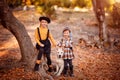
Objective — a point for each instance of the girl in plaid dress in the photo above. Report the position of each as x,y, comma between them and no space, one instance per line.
66,44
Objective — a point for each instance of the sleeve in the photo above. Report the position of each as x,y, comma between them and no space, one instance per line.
37,37
71,43
52,39
59,43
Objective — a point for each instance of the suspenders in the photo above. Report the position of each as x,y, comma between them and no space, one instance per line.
40,36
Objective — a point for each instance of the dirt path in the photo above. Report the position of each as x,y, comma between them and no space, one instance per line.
89,63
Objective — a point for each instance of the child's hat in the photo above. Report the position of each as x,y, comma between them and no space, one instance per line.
44,18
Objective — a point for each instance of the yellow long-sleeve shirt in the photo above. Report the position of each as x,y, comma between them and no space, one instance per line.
43,35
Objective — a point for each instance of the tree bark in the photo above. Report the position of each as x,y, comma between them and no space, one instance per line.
18,30
98,7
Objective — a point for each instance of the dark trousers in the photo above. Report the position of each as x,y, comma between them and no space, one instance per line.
46,50
68,65
42,52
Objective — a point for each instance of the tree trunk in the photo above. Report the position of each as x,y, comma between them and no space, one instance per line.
18,30
98,7
8,20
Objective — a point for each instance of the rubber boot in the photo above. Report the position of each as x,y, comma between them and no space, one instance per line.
65,71
36,67
50,68
71,71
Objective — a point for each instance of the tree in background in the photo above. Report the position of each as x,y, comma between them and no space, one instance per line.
99,9
116,15
14,3
100,15
46,7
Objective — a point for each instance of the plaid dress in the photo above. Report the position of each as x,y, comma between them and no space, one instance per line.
67,48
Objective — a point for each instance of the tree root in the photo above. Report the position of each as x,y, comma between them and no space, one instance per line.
42,73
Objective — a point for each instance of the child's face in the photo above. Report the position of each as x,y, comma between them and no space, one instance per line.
66,33
43,23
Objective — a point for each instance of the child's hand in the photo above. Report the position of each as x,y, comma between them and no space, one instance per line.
42,45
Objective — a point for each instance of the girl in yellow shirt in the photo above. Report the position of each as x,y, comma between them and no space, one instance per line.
43,38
